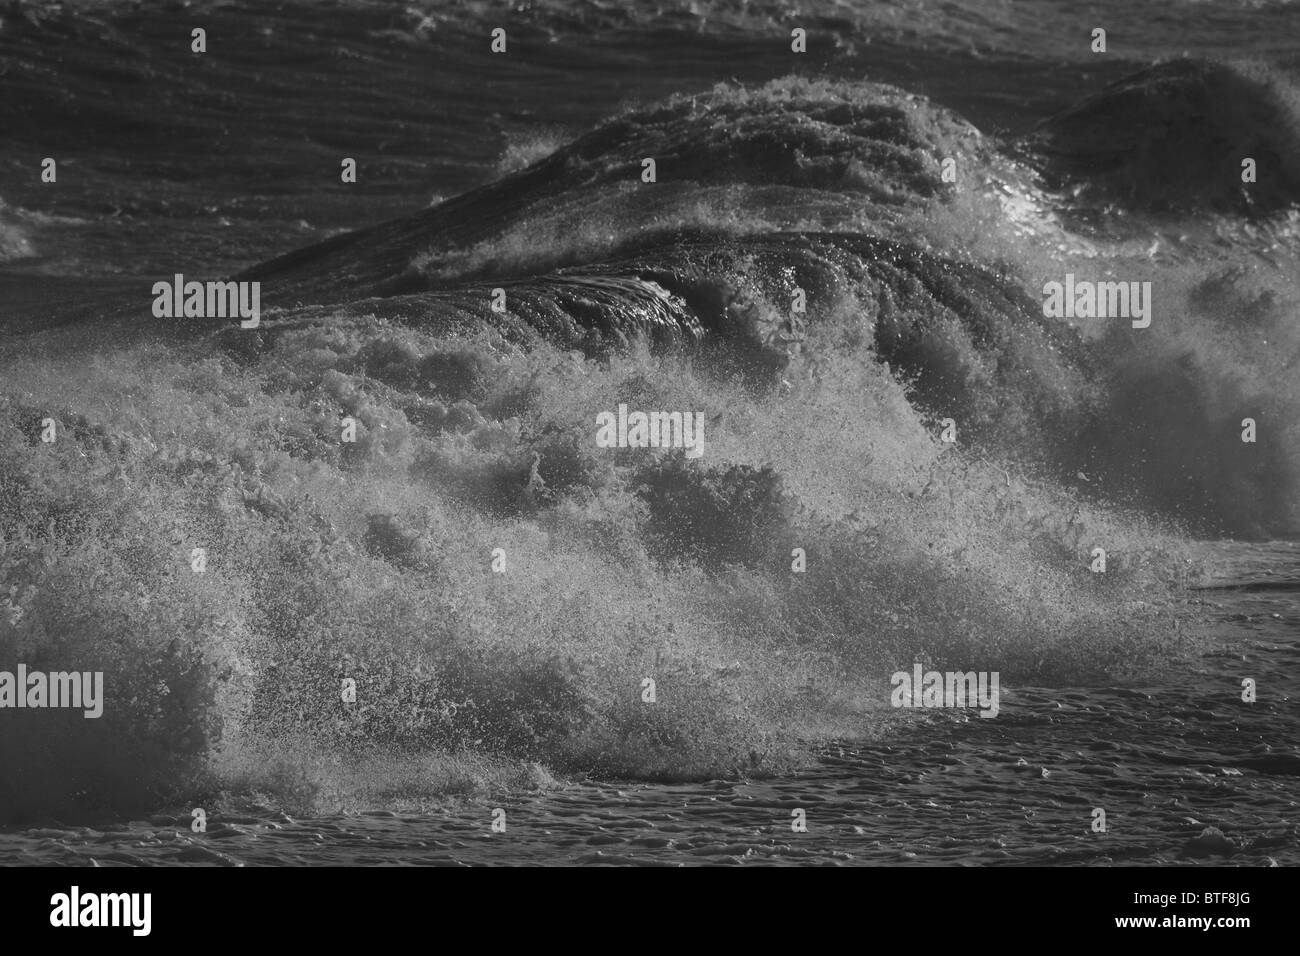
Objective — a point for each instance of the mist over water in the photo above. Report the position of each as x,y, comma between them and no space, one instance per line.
376,560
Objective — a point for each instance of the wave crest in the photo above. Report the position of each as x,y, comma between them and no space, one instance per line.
1172,139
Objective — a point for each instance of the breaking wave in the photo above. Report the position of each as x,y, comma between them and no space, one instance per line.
373,560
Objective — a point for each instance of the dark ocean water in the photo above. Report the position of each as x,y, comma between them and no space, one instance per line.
210,163
1165,757
521,171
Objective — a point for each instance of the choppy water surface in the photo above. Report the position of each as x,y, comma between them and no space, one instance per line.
777,172
1166,757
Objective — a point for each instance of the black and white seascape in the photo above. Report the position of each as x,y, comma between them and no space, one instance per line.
592,432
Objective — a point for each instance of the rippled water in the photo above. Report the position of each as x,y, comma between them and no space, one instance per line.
1165,757
172,163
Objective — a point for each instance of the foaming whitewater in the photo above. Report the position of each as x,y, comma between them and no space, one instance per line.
373,563
856,215
14,243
